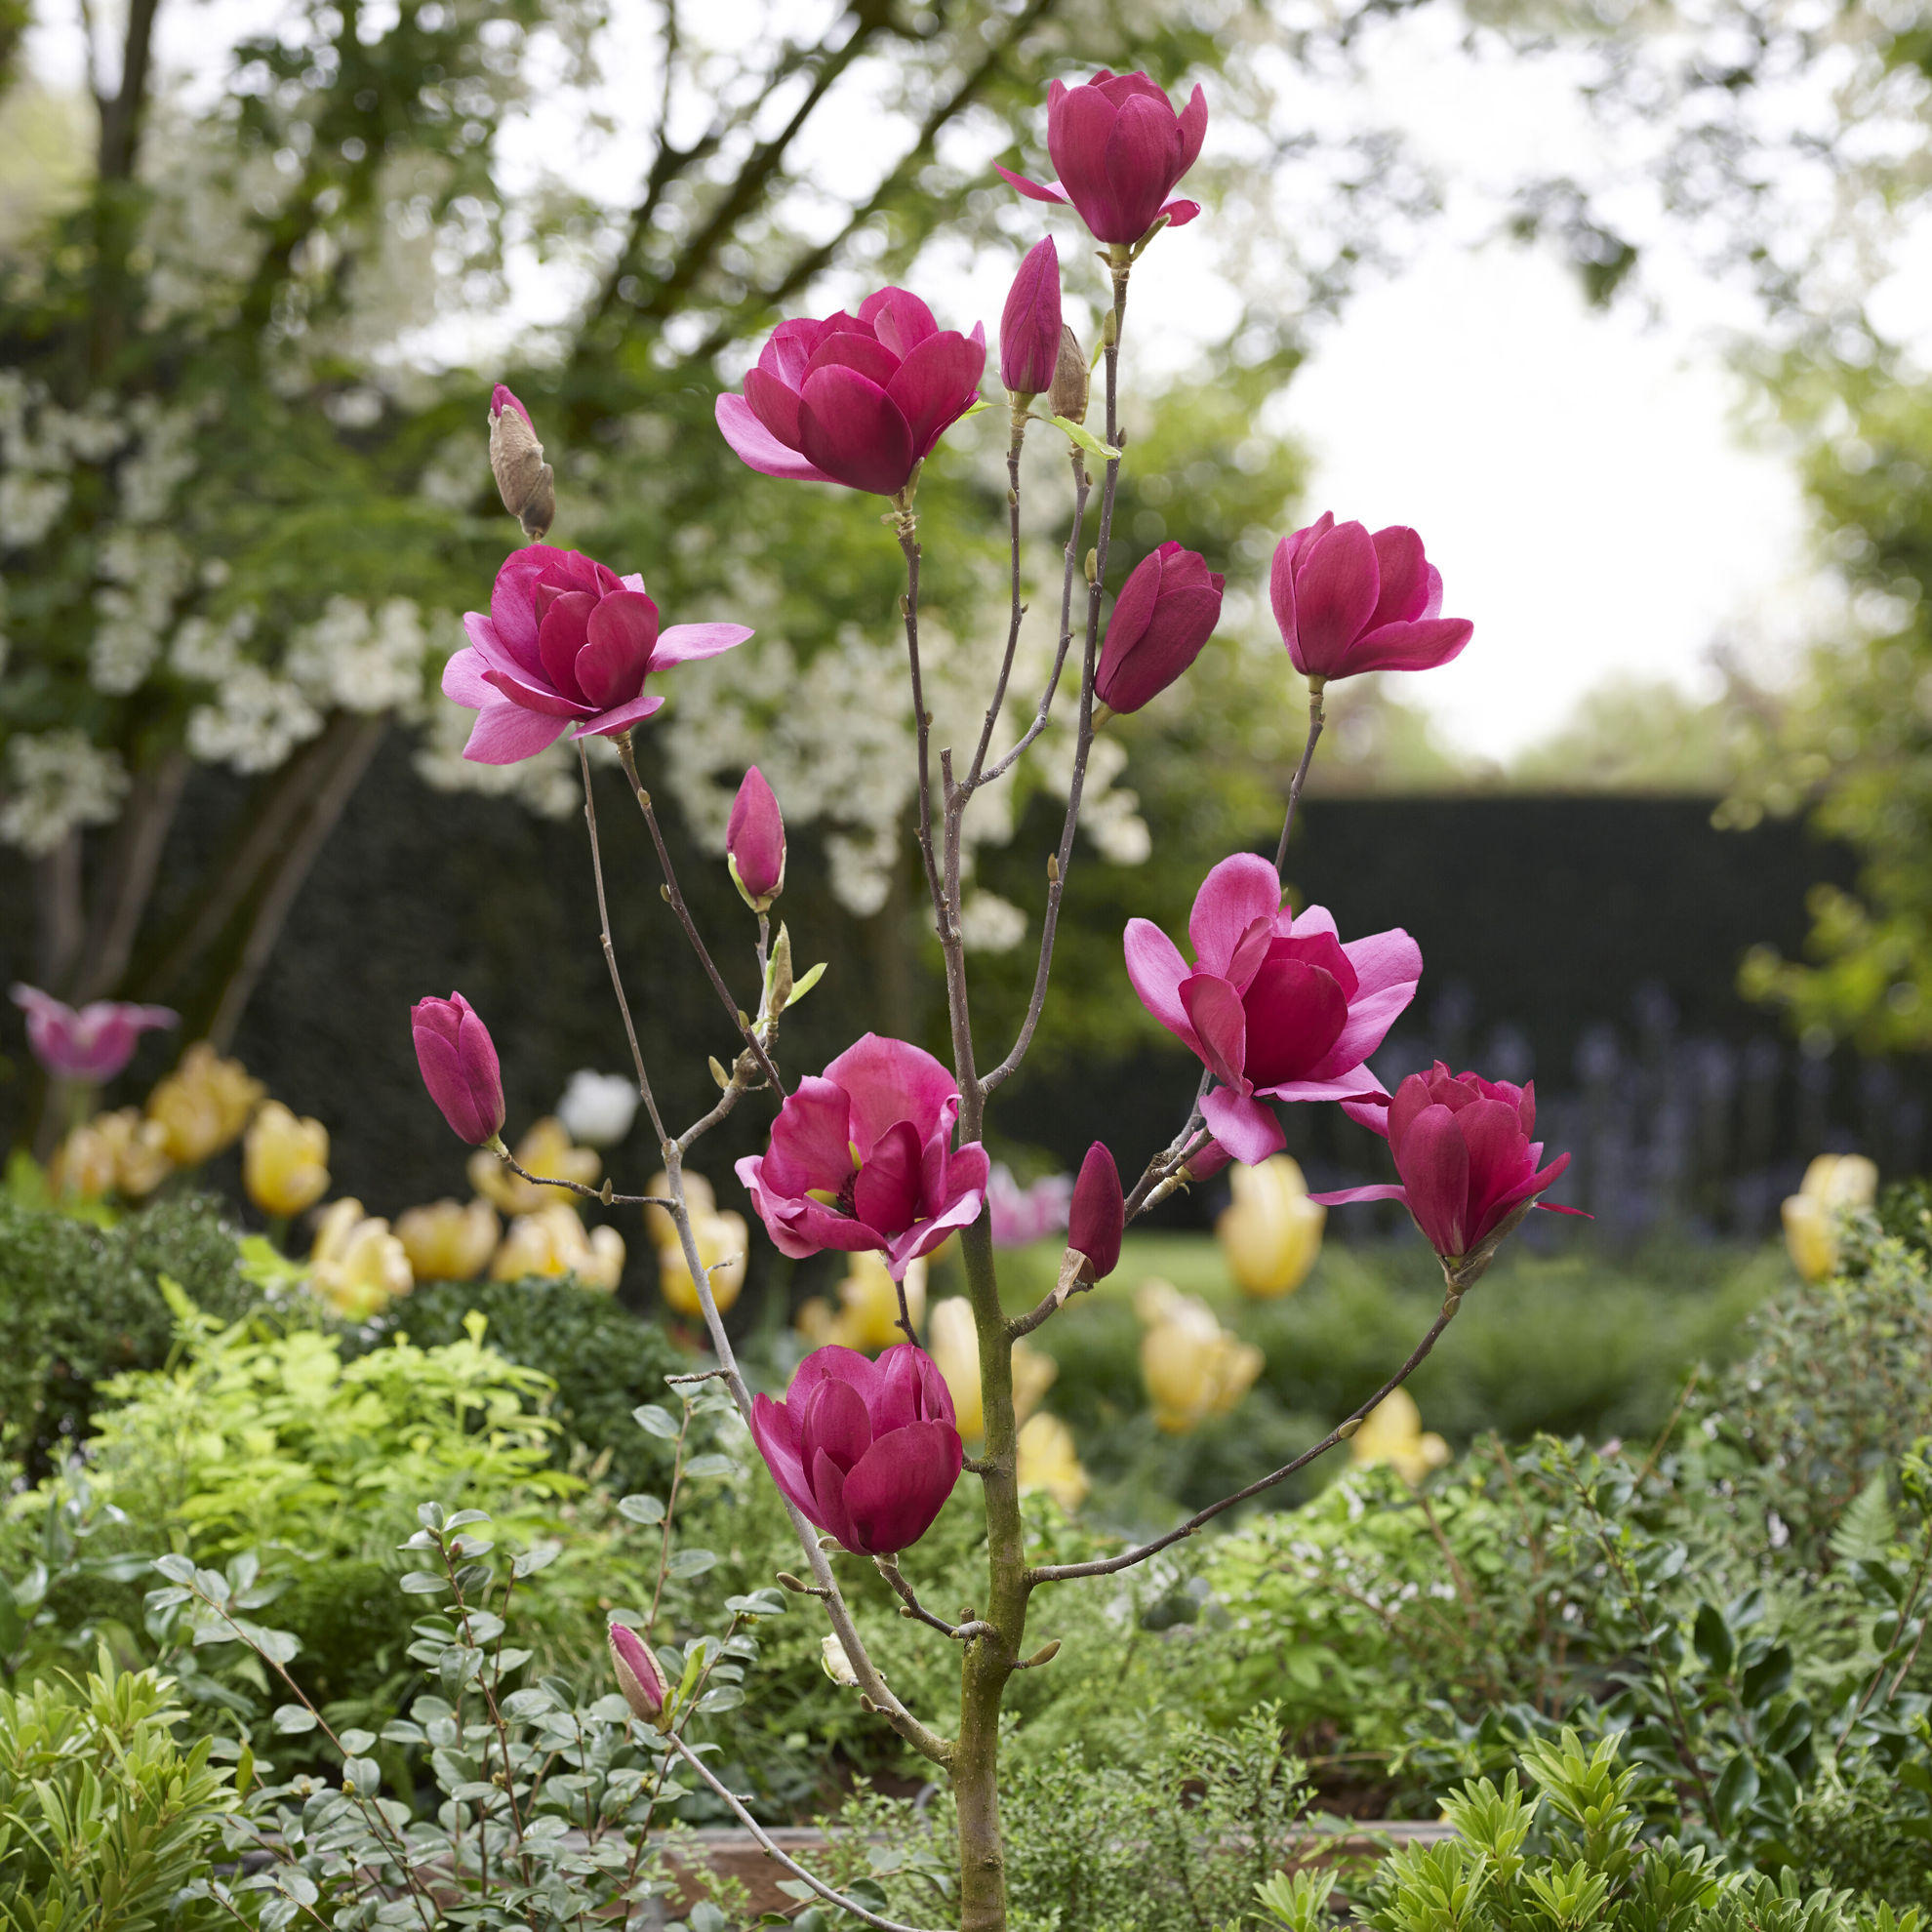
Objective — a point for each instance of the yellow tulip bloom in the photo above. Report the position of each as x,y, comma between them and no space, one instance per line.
356,1265
203,1105
1193,1367
449,1240
720,1237
1392,1432
955,1347
1831,1183
546,1150
1049,1460
1271,1234
285,1161
552,1241
122,1153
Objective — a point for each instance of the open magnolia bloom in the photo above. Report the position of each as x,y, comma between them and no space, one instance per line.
862,1158
867,1449
1275,1005
567,642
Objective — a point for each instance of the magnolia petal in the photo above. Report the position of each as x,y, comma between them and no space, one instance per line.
852,431
936,383
811,1139
1246,1129
1433,1160
504,733
759,448
1220,1023
896,1489
886,1194
1238,891
688,643
1382,1191
1033,190
608,724
1410,647
887,1080
464,682
1156,969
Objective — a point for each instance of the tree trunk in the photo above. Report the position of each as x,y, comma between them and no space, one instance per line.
138,841
990,1662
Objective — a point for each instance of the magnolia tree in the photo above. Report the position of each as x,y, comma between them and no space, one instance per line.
882,1151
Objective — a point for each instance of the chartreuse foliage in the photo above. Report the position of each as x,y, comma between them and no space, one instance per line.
105,1814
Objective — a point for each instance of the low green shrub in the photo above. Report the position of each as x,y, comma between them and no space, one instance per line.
81,1303
106,1816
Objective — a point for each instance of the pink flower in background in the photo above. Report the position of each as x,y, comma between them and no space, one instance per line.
1020,1216
1462,1147
755,842
1348,602
458,1060
868,1450
1166,611
1120,149
1029,325
1100,1213
92,1044
863,1158
1275,1005
855,399
567,642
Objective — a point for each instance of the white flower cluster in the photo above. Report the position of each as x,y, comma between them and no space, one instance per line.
257,720
145,570
356,660
56,780
39,446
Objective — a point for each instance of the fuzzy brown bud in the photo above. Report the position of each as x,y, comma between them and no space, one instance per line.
1068,395
526,483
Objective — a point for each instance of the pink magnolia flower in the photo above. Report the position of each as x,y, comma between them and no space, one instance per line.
1029,326
1462,1147
863,1158
1348,602
855,399
1100,1213
93,1044
458,1060
1120,149
1020,1216
1276,1006
755,842
868,1450
567,641
1166,611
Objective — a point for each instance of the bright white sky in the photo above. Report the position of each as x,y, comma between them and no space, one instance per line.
1579,478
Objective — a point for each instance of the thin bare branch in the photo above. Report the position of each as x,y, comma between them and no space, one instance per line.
1301,777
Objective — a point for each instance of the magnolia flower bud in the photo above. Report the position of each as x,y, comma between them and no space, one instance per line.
639,1674
1030,328
457,1061
1098,1217
833,1661
755,842
526,483
1068,395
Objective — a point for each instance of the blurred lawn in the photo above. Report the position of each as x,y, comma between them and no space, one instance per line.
1575,1341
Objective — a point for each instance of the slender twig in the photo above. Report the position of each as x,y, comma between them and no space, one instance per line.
1005,763
676,898
1084,741
1301,777
1065,1572
772,1851
1019,610
888,1568
603,1193
1669,1428
908,530
644,1092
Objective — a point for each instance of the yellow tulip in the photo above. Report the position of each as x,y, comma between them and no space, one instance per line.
1048,1461
867,1314
1831,1183
122,1153
285,1161
720,1237
1392,1432
955,1347
448,1241
699,1202
1191,1366
546,1150
1270,1236
203,1105
356,1265
552,1241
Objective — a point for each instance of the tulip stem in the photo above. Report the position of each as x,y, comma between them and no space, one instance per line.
1065,1572
1301,777
628,758
772,1851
